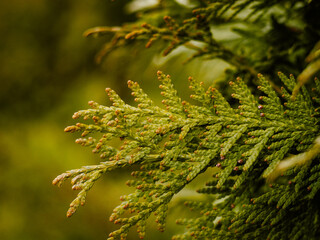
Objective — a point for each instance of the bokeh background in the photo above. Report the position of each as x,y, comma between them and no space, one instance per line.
47,72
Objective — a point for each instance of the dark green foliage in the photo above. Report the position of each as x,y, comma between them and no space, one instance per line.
252,36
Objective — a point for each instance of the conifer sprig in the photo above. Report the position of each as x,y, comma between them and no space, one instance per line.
173,145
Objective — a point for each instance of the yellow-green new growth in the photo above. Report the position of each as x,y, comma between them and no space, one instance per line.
173,145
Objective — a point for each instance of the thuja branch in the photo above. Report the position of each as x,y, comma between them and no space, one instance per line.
173,145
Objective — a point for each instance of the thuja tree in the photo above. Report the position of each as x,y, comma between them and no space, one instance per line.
260,145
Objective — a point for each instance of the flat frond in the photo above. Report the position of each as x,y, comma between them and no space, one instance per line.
173,145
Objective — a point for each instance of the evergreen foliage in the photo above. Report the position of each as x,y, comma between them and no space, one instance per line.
242,141
173,145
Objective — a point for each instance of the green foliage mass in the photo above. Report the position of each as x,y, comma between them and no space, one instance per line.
242,141
252,36
174,145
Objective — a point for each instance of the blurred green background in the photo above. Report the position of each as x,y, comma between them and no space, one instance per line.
47,72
